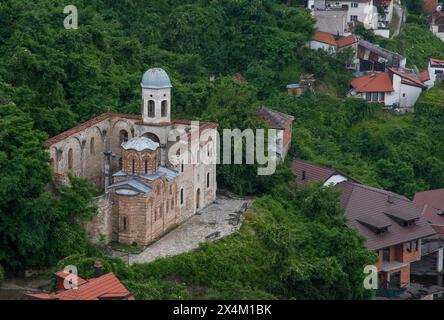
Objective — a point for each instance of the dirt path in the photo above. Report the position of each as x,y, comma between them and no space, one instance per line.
216,220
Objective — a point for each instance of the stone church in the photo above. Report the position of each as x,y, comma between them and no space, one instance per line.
146,191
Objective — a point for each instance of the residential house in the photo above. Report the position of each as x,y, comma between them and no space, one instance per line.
332,20
392,225
398,89
362,11
283,123
102,287
385,14
435,72
432,205
309,172
335,43
375,58
436,24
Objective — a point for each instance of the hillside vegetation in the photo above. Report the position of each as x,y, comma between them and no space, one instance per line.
294,243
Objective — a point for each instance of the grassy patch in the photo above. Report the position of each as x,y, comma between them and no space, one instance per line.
126,247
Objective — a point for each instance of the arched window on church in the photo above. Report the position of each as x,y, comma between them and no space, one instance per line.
120,164
70,160
134,166
92,148
123,136
164,108
124,224
208,180
181,196
146,166
151,111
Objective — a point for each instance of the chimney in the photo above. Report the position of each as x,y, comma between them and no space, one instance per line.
98,271
390,199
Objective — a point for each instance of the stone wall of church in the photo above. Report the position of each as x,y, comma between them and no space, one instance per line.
100,228
81,149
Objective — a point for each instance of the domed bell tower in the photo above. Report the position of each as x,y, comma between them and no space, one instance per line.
156,96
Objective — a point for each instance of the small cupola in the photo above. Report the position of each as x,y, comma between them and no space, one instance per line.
140,156
156,96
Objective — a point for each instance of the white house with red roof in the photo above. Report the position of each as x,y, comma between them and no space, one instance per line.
395,88
435,71
334,43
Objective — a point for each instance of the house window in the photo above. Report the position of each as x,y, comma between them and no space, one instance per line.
70,160
375,96
382,96
354,4
181,196
164,108
151,112
92,150
368,96
386,254
415,245
353,18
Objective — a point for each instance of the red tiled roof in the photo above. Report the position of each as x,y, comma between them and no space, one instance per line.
325,37
431,201
413,81
362,204
346,41
429,6
66,134
378,82
62,136
64,274
437,63
240,78
424,76
106,286
313,172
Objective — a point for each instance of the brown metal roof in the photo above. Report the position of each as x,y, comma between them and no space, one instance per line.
361,203
313,172
431,201
277,120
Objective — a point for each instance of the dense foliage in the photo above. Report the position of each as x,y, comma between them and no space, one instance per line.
36,227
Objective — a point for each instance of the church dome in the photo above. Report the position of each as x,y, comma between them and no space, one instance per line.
155,78
140,144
